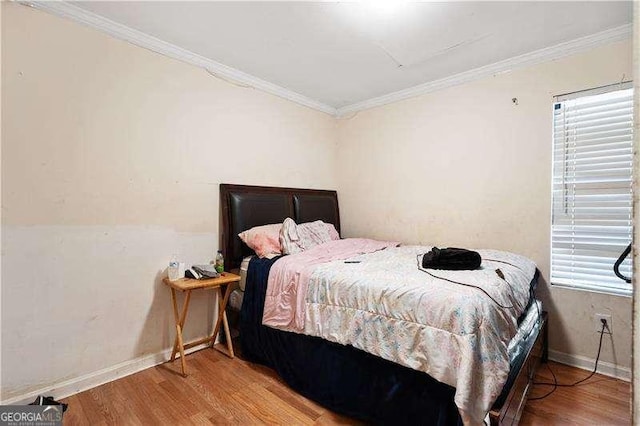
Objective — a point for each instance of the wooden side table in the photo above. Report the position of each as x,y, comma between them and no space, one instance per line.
186,285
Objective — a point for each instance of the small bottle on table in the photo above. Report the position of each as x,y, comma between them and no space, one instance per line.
219,263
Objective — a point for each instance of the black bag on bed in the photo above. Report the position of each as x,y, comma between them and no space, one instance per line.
455,259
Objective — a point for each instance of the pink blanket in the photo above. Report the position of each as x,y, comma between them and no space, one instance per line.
284,305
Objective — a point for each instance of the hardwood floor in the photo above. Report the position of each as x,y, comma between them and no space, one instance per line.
221,390
601,400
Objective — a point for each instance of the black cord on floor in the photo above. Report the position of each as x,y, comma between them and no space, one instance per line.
555,383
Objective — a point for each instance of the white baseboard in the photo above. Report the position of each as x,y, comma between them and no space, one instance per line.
109,374
97,378
605,368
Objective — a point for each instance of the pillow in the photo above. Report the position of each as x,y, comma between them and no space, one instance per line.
298,238
264,240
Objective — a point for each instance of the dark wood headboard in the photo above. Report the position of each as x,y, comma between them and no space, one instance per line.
245,206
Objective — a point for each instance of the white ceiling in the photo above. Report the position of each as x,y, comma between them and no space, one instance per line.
340,53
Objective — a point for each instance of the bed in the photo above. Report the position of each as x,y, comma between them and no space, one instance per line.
343,378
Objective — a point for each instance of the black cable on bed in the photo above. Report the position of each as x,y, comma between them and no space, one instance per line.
420,268
505,262
555,383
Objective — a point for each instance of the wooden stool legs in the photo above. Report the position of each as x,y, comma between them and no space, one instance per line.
181,316
222,315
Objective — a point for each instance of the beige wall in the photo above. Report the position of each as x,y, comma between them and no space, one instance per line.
112,156
466,167
111,160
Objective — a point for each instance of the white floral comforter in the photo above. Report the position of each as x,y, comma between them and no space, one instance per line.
386,306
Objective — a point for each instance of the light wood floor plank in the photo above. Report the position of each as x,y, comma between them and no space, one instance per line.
600,400
220,390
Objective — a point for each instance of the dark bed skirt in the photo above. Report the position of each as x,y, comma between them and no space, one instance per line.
341,378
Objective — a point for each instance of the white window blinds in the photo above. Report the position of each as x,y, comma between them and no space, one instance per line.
592,182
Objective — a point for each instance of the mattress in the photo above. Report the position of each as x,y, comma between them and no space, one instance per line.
527,322
243,272
236,296
235,299
520,345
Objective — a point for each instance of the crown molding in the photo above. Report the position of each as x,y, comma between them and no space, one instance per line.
528,59
68,10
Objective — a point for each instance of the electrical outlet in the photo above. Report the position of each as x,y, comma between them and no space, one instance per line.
598,324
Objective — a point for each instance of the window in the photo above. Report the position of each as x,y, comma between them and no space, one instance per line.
592,184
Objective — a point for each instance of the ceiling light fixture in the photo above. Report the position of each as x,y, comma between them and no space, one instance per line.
383,7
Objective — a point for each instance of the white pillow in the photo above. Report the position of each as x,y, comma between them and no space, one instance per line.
298,238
